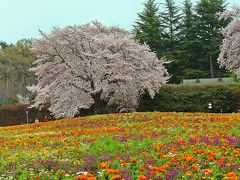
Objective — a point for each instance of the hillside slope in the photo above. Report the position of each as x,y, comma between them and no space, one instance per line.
124,146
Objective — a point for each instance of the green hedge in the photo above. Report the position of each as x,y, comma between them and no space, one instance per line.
194,98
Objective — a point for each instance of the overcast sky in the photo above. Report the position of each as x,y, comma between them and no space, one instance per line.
22,18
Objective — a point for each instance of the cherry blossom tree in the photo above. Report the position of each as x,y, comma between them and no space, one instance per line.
229,56
93,65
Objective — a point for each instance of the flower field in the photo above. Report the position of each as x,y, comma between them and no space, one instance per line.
124,146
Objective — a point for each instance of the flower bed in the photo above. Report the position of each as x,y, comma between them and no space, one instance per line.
124,146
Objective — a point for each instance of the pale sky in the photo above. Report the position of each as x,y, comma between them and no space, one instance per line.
22,18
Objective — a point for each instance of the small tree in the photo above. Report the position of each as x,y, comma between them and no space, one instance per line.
91,64
230,48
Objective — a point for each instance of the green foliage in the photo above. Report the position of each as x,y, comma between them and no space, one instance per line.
189,48
171,23
3,45
190,38
171,18
194,98
15,61
208,33
107,145
193,73
147,28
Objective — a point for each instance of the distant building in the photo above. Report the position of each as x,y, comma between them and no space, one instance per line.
208,81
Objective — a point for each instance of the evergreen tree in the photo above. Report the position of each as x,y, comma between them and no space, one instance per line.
188,49
187,27
171,23
147,28
171,19
208,26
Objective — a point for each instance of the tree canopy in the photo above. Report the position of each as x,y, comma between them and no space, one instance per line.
230,48
186,35
15,61
91,64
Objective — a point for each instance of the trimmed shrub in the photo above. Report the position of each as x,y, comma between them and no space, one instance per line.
194,98
180,98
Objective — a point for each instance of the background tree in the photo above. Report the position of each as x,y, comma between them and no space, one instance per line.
86,66
3,45
147,28
15,60
209,36
230,48
188,48
171,23
190,39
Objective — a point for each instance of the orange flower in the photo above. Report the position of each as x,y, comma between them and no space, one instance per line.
7,155
112,171
161,155
212,154
123,163
231,174
133,159
234,178
228,164
188,173
91,178
116,177
173,160
208,171
103,165
165,166
85,177
154,168
75,134
188,158
158,146
154,173
141,169
81,177
144,153
161,169
220,162
173,150
235,151
195,167
142,177
211,158
147,165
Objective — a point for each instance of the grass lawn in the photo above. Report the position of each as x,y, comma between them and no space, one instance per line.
124,146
